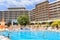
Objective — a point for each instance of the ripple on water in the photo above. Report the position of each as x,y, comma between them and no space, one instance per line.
36,35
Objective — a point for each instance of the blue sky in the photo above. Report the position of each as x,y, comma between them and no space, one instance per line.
28,4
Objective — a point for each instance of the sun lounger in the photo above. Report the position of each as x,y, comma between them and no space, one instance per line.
49,28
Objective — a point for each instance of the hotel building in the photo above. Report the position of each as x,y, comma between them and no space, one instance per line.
54,10
42,12
12,13
46,11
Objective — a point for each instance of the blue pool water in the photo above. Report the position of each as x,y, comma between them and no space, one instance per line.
28,35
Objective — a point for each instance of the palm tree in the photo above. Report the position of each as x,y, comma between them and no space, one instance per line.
56,23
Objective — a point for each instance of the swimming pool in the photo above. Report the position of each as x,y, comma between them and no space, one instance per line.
29,35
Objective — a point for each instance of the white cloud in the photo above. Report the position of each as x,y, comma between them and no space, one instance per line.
58,0
20,2
2,0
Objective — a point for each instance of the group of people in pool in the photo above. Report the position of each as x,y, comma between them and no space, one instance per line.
31,28
35,28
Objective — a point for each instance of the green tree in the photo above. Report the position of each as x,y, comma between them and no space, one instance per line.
47,24
57,22
23,19
38,24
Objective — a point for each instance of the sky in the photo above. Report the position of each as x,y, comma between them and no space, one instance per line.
28,4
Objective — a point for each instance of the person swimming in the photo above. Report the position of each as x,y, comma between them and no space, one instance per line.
44,36
21,28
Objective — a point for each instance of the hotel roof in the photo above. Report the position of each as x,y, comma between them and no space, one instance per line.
16,8
42,2
53,2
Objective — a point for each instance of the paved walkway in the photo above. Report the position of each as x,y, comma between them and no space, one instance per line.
3,38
